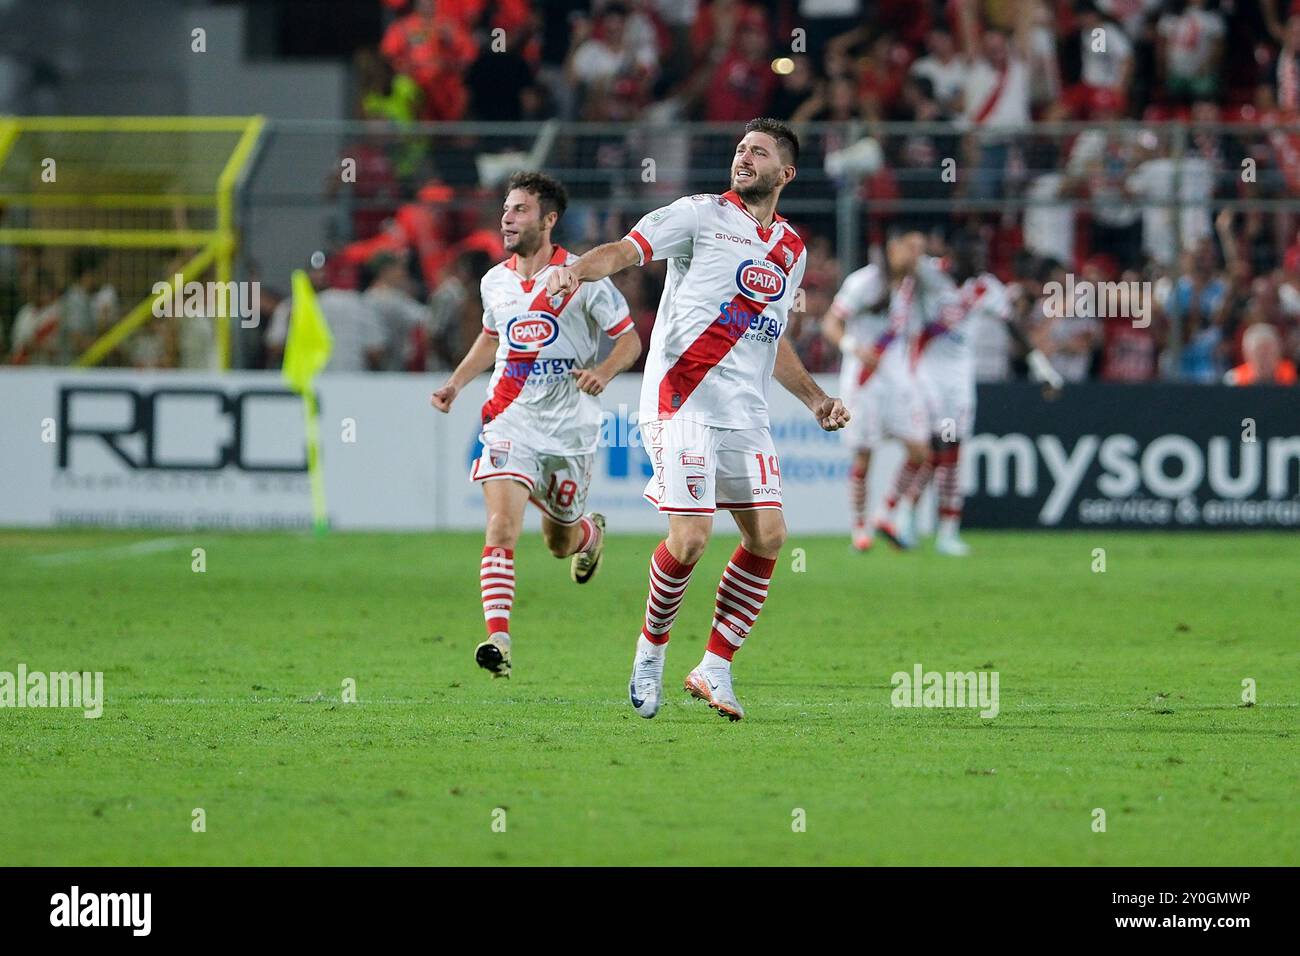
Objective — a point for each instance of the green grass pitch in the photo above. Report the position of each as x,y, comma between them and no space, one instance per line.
1119,690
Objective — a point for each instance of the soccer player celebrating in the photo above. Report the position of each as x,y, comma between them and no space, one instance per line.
541,422
871,321
734,266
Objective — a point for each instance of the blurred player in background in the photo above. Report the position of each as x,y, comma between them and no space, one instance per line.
734,266
870,322
541,422
945,374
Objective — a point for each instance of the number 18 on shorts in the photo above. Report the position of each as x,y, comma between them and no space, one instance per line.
698,468
556,483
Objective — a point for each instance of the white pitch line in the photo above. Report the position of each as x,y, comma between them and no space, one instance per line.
150,546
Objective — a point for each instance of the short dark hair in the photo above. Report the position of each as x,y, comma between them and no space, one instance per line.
785,138
550,192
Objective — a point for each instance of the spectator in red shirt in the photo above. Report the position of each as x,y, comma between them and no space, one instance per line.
742,85
434,50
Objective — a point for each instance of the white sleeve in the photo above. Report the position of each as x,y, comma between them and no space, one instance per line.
279,330
859,290
668,232
489,321
608,309
998,304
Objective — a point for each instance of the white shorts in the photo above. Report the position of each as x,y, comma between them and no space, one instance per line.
698,468
556,483
949,406
885,408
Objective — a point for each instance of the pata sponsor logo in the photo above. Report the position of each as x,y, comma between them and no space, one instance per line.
761,280
532,331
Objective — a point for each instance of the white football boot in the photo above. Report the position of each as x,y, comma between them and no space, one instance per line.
951,545
713,686
907,525
646,688
493,655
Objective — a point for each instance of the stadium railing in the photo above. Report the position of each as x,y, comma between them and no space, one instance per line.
152,198
269,193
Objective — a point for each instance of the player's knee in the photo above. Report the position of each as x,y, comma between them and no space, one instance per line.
502,531
687,544
766,541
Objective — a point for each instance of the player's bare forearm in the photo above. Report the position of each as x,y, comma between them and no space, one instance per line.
832,327
480,358
604,261
599,263
626,350
794,378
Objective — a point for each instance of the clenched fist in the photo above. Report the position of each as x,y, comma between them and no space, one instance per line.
590,381
561,281
443,397
831,414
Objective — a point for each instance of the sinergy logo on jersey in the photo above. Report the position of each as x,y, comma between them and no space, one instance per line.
761,280
532,331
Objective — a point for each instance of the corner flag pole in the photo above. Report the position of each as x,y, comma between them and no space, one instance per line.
306,351
319,514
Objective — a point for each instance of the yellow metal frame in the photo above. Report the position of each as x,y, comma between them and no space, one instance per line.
216,246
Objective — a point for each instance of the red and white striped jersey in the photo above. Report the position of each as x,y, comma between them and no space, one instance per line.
980,299
532,396
726,300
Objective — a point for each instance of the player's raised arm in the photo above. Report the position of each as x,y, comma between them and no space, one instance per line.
794,378
599,263
480,358
665,233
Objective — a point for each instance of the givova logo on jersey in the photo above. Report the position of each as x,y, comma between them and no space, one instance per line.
761,280
532,331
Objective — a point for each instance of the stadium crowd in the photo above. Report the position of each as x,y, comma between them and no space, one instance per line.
1093,204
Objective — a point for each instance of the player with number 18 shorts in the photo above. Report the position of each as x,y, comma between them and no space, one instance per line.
541,421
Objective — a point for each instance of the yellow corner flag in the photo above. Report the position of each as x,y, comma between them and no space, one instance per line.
306,351
308,347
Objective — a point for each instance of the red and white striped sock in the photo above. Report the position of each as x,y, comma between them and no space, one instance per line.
921,479
668,581
902,482
496,577
858,494
741,593
590,534
947,486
